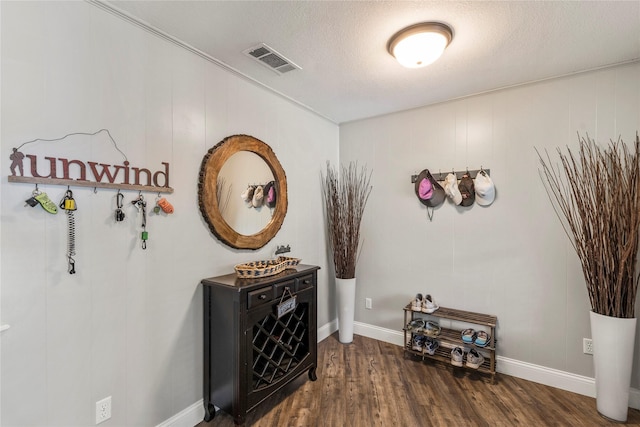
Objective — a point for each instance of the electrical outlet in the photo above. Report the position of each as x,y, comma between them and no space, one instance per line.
587,346
368,303
103,410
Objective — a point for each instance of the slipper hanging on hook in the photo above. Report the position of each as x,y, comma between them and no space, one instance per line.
164,204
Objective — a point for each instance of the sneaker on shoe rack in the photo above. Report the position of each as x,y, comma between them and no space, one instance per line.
429,305
474,359
430,346
456,356
417,343
416,303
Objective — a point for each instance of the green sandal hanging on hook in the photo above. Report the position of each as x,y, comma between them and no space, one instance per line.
46,203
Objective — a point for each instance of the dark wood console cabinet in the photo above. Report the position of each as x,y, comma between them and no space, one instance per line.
250,353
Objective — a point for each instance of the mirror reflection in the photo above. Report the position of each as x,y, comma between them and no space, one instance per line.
241,192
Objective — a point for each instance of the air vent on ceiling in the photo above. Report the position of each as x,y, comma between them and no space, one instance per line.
268,57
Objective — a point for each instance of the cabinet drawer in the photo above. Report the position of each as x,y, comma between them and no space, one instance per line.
278,289
259,297
305,282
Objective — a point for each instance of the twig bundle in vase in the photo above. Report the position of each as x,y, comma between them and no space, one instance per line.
596,195
345,195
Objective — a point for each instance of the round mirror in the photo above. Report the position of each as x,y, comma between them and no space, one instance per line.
242,192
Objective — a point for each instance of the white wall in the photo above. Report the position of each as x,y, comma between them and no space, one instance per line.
128,324
511,259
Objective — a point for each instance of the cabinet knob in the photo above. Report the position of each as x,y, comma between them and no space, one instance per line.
306,282
262,296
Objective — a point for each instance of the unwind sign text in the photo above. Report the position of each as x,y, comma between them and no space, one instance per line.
59,168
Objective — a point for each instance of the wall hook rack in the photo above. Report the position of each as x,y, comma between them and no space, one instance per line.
90,184
440,176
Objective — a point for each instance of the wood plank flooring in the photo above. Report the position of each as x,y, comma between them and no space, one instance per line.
371,383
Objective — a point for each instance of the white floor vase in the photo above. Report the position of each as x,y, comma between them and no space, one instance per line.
613,344
346,300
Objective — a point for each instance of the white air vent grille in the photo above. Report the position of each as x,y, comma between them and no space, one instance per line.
268,57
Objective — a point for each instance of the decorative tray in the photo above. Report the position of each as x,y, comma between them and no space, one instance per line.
265,268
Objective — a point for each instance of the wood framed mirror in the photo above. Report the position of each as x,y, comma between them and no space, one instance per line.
215,193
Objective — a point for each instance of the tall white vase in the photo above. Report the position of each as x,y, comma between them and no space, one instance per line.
613,343
346,300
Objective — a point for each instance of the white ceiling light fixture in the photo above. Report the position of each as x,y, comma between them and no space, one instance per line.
421,44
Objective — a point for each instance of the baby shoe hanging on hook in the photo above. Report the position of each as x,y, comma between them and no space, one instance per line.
41,198
46,203
164,205
258,197
247,195
156,208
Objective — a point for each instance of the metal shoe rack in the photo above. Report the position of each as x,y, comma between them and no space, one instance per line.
450,337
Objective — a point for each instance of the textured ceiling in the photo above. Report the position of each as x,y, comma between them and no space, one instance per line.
347,73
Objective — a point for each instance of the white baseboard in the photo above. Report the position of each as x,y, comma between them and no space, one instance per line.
189,417
547,376
381,334
586,386
327,329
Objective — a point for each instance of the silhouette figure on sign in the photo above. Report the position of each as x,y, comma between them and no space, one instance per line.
16,160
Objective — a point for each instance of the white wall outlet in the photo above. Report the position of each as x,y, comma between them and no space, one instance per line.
103,410
368,304
587,346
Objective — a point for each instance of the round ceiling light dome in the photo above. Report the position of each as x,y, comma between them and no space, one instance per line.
421,44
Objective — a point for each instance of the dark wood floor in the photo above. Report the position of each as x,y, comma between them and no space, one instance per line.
371,383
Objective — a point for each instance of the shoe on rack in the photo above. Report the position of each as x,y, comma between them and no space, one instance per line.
416,343
456,356
468,336
430,346
474,359
429,305
416,325
416,303
482,339
431,329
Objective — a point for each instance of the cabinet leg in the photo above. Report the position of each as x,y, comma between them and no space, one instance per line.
209,411
312,374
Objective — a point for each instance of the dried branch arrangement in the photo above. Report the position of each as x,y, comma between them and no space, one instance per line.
345,197
596,195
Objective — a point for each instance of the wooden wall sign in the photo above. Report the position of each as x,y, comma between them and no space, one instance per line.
90,174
